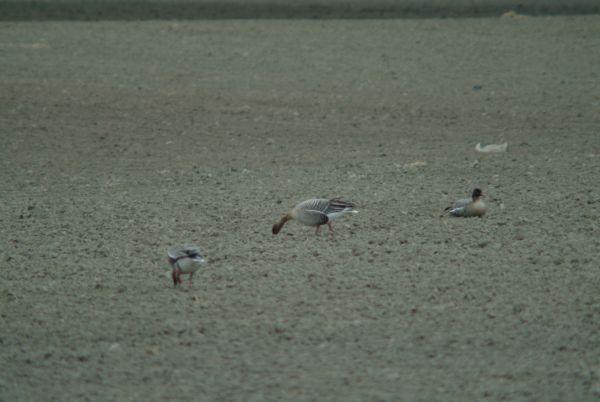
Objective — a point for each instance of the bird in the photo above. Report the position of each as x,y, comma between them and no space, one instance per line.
316,212
468,207
184,260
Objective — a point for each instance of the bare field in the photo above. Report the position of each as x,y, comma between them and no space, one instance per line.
119,139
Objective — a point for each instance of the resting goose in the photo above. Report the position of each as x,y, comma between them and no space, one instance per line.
185,260
316,212
468,207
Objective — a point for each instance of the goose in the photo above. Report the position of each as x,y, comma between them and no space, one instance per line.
468,207
185,260
316,212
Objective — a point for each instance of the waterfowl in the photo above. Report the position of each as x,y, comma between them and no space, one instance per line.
468,207
185,260
316,212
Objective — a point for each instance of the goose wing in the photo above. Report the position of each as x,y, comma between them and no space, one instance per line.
338,205
314,204
458,204
461,203
326,206
186,250
459,207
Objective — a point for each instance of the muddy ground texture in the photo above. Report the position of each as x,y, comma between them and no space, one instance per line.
118,140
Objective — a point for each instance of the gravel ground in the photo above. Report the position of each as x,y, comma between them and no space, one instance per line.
119,139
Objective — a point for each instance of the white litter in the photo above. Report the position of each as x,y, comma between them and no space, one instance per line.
491,148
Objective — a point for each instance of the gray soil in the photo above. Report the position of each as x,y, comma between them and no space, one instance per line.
119,139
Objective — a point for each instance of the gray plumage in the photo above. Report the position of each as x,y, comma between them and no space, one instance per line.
458,208
468,207
316,212
184,259
186,250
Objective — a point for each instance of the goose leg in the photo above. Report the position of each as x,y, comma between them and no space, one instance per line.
317,229
330,226
176,273
191,274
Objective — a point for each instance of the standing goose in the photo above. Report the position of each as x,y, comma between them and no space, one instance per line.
184,259
316,212
468,207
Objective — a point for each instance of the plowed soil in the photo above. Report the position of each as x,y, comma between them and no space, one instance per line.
120,139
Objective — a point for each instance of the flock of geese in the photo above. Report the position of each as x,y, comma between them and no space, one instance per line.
316,212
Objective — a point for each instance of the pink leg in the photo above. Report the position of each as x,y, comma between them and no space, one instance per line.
317,229
191,274
330,229
176,276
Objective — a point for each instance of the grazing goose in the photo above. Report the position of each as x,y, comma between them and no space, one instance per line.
468,207
316,212
184,260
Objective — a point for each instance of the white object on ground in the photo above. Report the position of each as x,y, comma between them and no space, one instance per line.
491,148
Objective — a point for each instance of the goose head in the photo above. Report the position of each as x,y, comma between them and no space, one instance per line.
477,193
277,227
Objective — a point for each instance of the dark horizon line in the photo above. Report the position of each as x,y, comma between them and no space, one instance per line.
132,10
